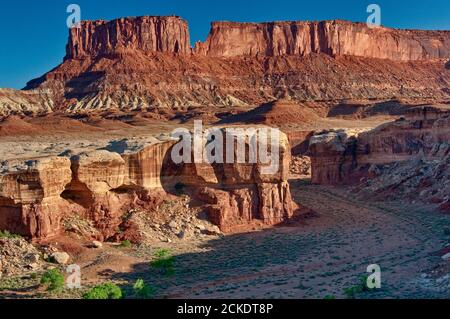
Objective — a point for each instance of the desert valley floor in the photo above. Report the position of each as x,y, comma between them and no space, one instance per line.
336,247
318,254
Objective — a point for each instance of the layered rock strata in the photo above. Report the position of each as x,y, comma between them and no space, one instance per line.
99,185
104,186
148,34
240,196
146,63
30,201
408,157
230,39
346,157
32,103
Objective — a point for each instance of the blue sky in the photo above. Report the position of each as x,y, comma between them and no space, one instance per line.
33,34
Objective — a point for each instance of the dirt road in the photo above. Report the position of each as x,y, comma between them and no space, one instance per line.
320,258
314,258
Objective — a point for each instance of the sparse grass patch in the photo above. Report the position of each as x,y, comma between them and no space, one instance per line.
53,279
163,261
143,290
9,235
104,291
12,283
125,244
352,292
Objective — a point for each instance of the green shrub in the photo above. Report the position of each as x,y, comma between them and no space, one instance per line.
104,291
351,292
53,279
7,234
142,290
329,297
125,244
364,283
164,261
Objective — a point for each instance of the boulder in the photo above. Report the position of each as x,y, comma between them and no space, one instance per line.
61,258
97,244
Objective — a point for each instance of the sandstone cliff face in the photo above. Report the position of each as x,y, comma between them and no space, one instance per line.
330,152
30,202
240,196
228,39
147,34
100,185
147,63
347,157
170,34
104,186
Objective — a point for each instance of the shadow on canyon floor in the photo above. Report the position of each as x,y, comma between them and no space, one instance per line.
311,260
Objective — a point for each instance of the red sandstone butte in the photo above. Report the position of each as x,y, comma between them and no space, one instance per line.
147,34
329,37
228,39
147,63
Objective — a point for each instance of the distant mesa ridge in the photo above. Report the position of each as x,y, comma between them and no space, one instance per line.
229,39
148,64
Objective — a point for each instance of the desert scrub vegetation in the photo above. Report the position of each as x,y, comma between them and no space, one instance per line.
11,283
164,261
125,244
53,279
8,235
143,290
352,292
104,291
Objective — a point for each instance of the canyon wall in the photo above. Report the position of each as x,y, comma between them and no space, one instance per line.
103,186
170,34
99,185
228,39
240,196
346,157
30,202
149,34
